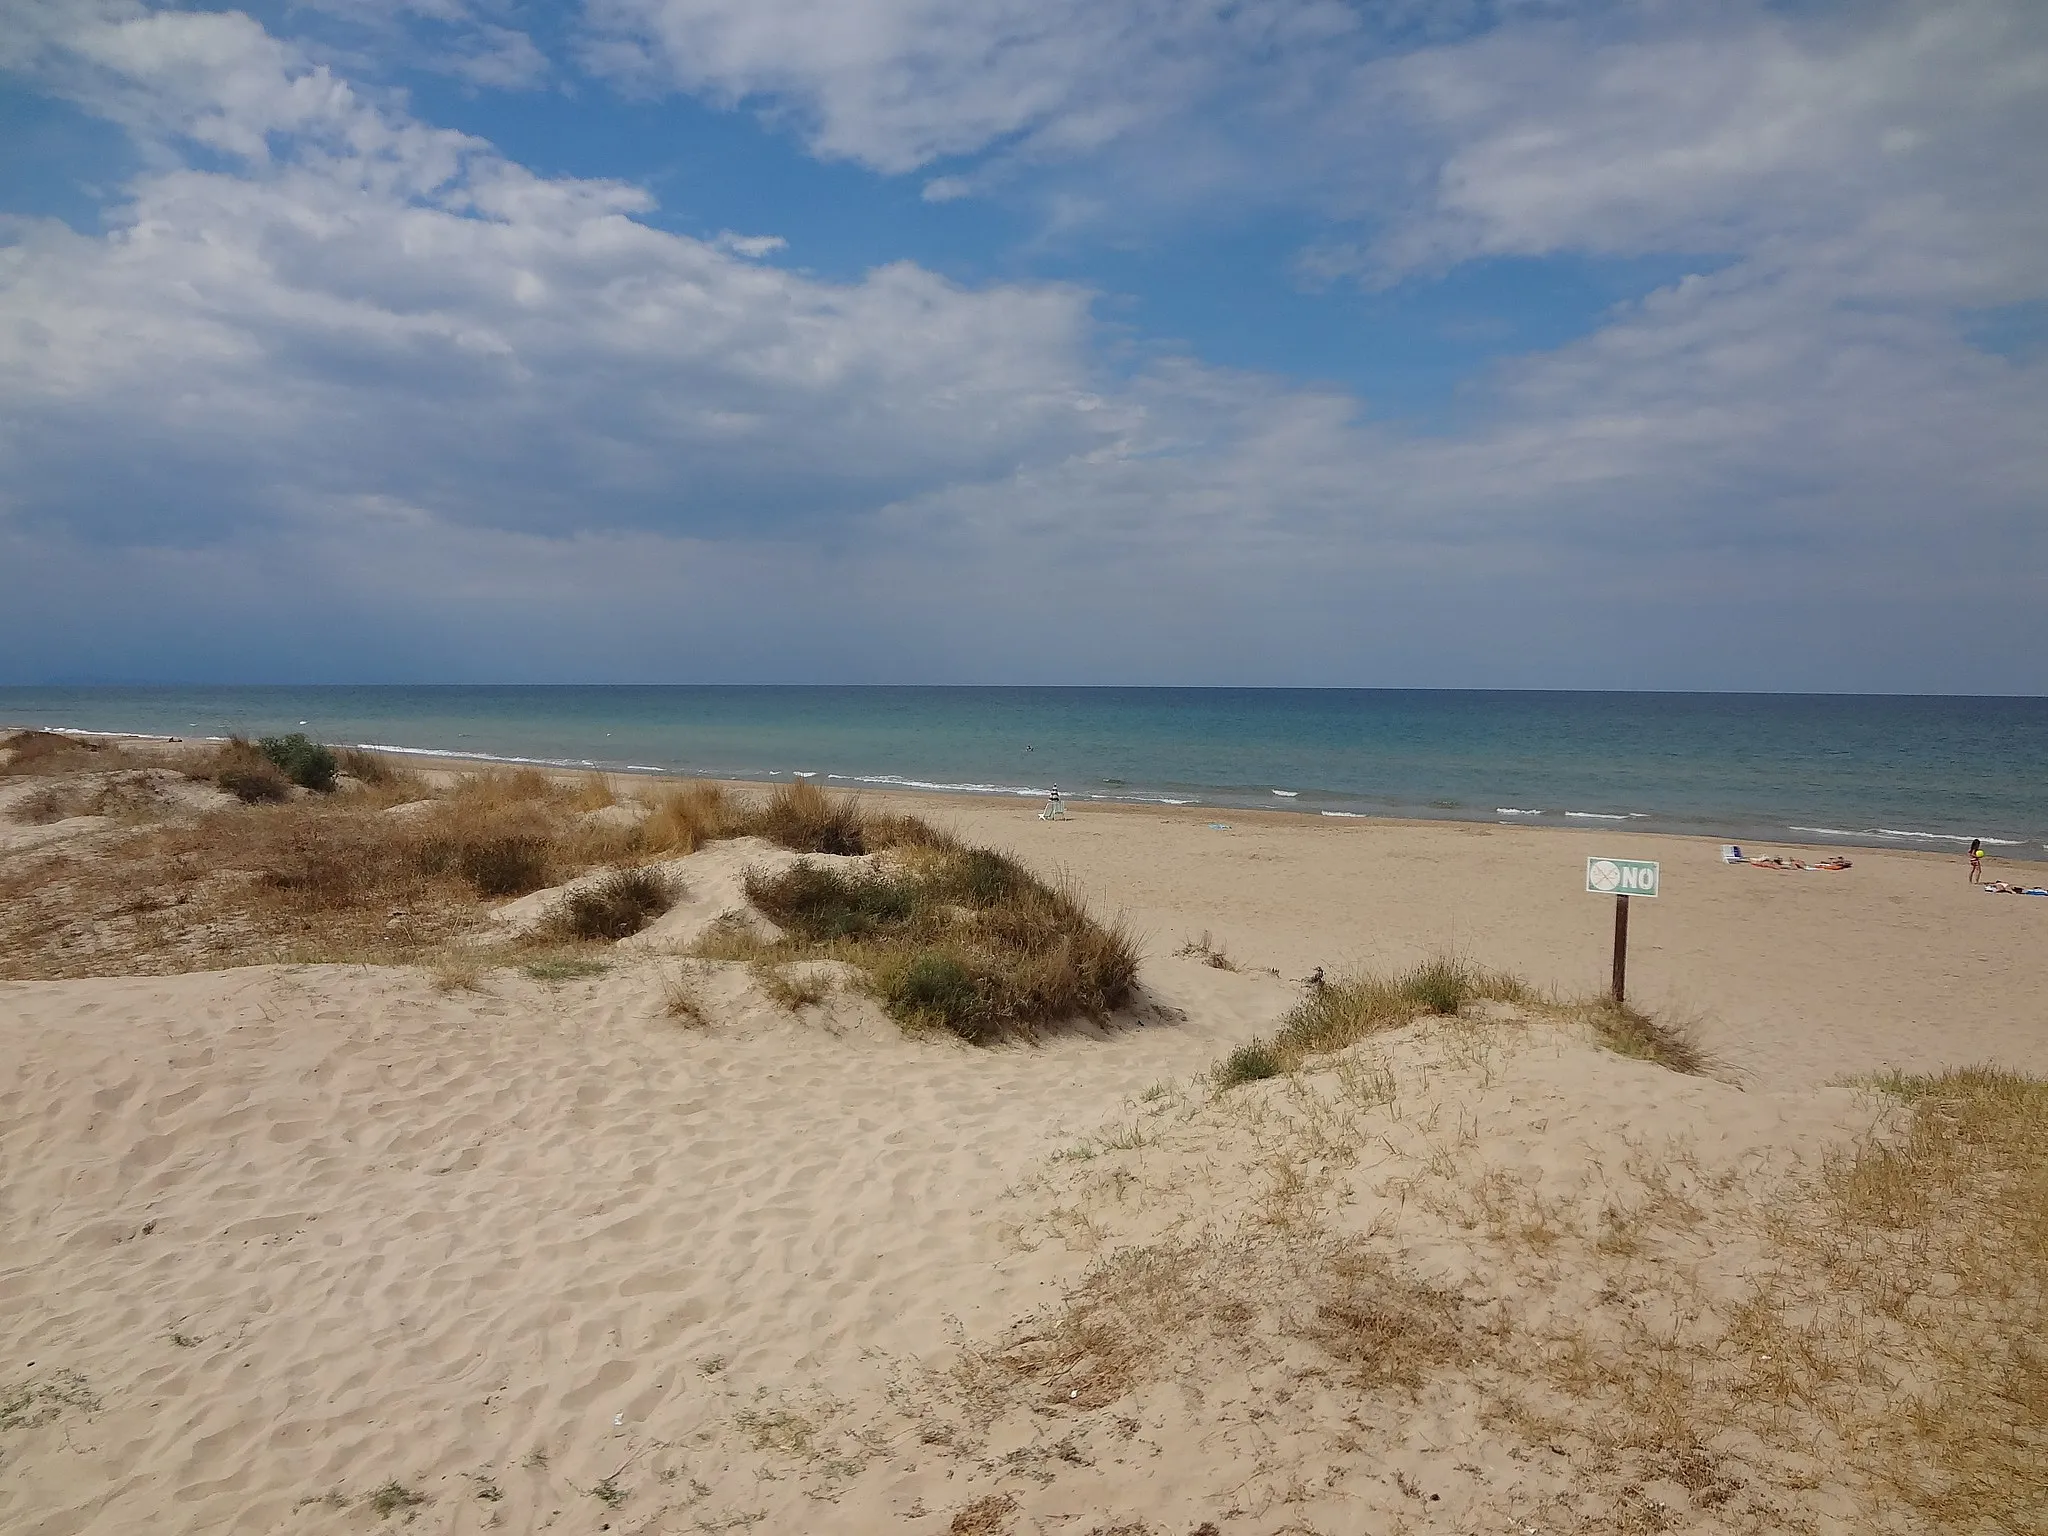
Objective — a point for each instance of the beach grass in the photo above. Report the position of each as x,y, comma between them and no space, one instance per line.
1337,1014
946,936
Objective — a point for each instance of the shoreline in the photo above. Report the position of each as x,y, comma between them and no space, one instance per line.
431,760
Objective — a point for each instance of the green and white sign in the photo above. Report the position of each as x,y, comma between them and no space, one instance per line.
1621,877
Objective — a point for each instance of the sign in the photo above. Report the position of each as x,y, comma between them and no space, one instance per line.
1621,877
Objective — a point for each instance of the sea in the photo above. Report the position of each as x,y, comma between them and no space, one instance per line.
1858,771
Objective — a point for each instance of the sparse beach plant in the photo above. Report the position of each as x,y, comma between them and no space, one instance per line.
394,1496
1208,951
1251,1062
1628,1031
681,1002
553,968
793,991
615,907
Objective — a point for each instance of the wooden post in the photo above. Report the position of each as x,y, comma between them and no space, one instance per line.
1620,947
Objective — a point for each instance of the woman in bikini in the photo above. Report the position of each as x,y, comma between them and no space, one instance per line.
1976,860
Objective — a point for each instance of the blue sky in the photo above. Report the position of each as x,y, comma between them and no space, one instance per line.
1500,343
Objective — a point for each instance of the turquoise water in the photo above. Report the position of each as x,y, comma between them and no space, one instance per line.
1862,771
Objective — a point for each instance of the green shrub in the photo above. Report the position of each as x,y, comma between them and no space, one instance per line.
821,904
616,907
304,762
935,989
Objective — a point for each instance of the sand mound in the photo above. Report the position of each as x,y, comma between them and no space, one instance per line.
279,1239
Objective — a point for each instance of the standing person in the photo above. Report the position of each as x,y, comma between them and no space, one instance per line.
1976,860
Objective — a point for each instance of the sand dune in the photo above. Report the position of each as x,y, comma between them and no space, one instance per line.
548,1258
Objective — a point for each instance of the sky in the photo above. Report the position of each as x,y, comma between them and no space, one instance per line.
1683,344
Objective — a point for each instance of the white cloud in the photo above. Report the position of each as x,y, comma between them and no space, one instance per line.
498,58
375,305
1885,142
373,376
896,84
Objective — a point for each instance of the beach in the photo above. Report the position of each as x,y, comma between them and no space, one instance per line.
314,1247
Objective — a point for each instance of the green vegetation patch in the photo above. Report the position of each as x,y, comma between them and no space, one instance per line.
304,761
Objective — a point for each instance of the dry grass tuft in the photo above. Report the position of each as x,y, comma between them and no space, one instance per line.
1628,1031
1144,1313
986,1516
794,992
594,793
49,754
952,938
681,1002
459,972
240,768
1208,952
802,817
391,782
684,820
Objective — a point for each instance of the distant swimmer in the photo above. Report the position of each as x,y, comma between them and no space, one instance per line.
1976,860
